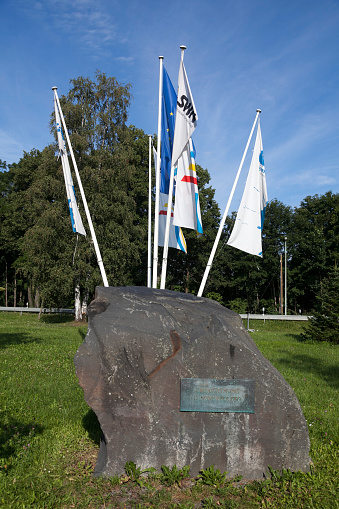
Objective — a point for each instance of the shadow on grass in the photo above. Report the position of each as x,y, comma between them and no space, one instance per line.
82,333
58,318
296,337
92,426
16,338
328,372
16,439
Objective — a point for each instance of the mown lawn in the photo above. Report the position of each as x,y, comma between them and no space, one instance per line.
50,438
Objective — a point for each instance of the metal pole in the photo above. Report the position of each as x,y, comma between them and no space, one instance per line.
285,275
169,214
210,261
157,182
84,201
281,287
149,257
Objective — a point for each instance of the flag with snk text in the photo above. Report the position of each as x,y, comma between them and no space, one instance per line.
186,115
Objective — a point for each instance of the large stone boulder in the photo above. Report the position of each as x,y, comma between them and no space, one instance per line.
140,343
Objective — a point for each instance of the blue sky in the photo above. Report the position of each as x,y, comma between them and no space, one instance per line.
279,56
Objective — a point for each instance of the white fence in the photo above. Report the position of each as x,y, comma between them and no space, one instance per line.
36,310
274,317
244,316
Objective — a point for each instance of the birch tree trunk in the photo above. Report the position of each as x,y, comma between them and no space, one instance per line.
77,303
84,304
6,288
14,293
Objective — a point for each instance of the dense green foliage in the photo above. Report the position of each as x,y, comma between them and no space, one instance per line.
323,325
249,283
42,261
49,438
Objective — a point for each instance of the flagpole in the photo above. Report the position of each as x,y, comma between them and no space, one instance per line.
149,258
215,245
169,213
84,201
157,181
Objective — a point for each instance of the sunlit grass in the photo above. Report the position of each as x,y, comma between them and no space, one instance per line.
49,437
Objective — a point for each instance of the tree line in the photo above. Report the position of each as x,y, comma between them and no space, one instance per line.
42,261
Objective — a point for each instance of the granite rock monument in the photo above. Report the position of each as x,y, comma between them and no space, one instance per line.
146,350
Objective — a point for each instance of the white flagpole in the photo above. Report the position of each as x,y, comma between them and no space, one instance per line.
84,201
157,182
149,258
215,245
169,214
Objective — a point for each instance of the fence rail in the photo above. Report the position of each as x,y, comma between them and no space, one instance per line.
295,318
244,316
37,310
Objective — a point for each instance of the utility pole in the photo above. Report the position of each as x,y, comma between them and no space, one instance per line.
285,275
281,287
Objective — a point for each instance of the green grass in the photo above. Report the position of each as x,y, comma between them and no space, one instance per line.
49,437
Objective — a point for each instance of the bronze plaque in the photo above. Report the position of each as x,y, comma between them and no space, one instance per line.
206,395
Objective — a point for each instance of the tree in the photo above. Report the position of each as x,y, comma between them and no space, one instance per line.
324,324
314,246
277,225
95,114
48,242
16,216
42,260
5,253
110,159
245,281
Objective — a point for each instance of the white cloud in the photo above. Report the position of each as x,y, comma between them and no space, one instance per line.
316,177
10,149
303,133
85,21
127,60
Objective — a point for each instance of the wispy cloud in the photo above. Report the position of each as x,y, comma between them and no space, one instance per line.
126,60
10,149
304,132
85,21
316,177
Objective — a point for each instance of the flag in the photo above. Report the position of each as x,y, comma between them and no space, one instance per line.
176,236
169,104
186,115
246,234
73,208
187,207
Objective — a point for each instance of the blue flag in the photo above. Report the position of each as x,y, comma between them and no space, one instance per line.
169,108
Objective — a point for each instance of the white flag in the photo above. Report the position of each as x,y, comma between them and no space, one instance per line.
186,115
187,207
246,234
176,236
77,225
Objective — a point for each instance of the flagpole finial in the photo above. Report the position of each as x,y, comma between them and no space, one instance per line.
54,88
182,47
258,111
161,58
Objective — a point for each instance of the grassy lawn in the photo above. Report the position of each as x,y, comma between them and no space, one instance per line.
49,438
